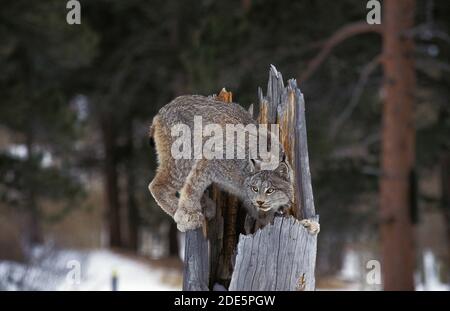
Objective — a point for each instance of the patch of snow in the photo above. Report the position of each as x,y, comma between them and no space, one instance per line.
351,266
18,151
68,270
431,281
131,274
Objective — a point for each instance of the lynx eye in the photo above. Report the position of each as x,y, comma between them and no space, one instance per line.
255,189
270,191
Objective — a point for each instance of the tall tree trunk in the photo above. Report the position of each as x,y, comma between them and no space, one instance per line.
33,230
173,240
111,180
398,145
445,184
133,215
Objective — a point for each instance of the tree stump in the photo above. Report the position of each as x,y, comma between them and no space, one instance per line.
282,255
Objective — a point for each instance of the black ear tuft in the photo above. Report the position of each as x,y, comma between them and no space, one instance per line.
283,157
254,165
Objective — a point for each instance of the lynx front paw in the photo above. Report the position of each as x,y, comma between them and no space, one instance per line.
188,220
312,226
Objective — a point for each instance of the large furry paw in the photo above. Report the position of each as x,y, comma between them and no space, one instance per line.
312,226
188,220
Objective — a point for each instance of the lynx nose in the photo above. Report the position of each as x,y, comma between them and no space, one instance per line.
260,203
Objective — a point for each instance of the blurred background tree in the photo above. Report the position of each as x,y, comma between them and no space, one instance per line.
76,103
39,52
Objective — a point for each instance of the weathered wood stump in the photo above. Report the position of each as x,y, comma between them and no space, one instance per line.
282,255
196,265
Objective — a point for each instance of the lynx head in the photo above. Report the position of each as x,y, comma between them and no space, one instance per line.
268,190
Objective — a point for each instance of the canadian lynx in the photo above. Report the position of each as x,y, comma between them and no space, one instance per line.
180,183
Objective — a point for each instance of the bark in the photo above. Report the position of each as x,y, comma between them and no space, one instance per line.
173,240
196,262
279,257
111,180
132,209
445,188
398,139
33,230
282,256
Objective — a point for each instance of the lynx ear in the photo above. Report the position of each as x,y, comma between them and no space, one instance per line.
284,168
255,165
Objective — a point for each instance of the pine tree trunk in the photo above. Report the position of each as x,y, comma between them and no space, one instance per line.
445,186
132,209
398,144
33,230
173,240
111,181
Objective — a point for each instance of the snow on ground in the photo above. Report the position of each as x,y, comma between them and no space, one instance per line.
131,275
68,270
355,272
430,279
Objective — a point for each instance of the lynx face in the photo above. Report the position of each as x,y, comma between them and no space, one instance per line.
268,190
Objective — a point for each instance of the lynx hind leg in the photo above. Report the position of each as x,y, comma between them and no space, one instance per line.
164,187
189,214
312,226
163,193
